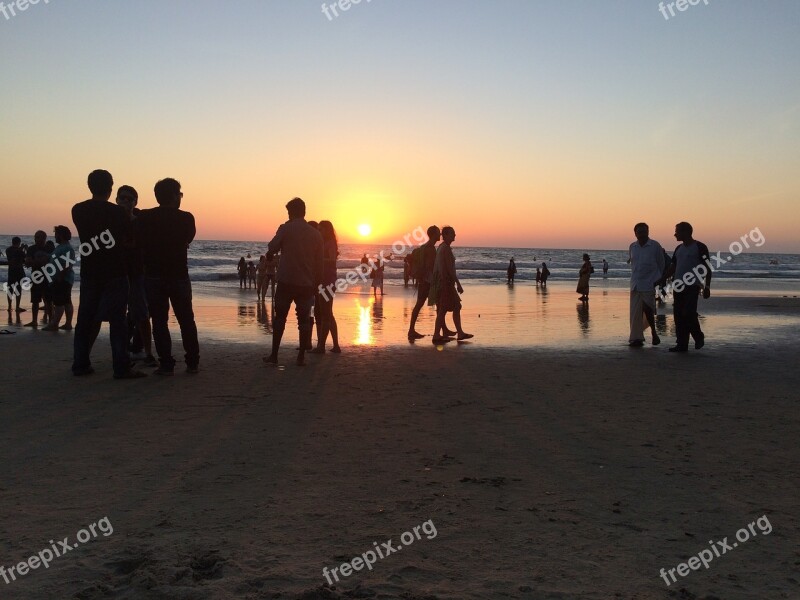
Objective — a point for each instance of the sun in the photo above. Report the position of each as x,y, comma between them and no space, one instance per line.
364,230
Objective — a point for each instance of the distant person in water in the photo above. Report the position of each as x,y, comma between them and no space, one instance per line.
647,268
407,271
583,278
62,259
16,273
377,275
326,320
299,276
511,272
164,234
423,261
605,267
242,270
272,269
545,274
261,275
251,275
447,288
364,259
691,261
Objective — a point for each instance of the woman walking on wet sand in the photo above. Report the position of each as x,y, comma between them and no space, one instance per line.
583,281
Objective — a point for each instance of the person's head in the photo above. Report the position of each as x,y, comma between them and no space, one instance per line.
327,231
641,231
314,224
544,265
296,208
100,184
448,234
683,231
49,246
434,234
39,238
127,197
585,257
168,193
62,233
16,241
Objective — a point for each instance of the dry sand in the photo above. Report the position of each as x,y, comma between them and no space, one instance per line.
547,474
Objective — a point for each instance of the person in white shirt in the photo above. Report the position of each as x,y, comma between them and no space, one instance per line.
646,258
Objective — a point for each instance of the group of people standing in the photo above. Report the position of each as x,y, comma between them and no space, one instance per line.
262,276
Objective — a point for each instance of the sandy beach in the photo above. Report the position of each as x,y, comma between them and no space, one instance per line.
556,470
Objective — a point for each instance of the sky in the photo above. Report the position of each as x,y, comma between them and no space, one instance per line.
520,123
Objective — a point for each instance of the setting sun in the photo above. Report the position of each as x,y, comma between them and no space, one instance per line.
364,230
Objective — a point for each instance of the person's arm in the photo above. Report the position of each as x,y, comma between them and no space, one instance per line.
191,229
672,265
275,245
706,258
319,262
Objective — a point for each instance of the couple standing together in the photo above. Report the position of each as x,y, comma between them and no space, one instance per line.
435,271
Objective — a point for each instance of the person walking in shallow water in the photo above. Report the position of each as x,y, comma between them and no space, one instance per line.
446,288
583,278
511,272
299,276
689,261
646,258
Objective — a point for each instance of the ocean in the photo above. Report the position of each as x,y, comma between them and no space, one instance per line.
214,263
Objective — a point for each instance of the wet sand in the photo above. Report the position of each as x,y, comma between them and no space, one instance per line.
570,468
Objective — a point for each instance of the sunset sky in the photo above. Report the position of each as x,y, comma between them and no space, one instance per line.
520,123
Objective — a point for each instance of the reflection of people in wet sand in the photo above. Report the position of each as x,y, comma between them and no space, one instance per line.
511,271
583,318
446,289
326,321
689,261
647,267
299,275
583,280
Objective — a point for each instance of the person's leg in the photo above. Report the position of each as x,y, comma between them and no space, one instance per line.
692,320
180,293
58,312
146,334
636,335
649,308
679,314
322,309
334,330
439,324
86,327
158,304
282,303
422,297
303,303
68,311
36,297
115,298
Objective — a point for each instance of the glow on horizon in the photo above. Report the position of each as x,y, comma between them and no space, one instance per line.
547,125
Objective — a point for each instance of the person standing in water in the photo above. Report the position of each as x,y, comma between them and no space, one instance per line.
583,278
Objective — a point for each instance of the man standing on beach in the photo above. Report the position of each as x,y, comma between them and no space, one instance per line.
16,273
299,276
164,234
689,259
647,267
104,277
422,262
37,257
447,288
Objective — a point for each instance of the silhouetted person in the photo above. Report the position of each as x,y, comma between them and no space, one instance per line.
138,312
251,275
424,259
37,257
647,267
377,275
448,288
272,269
511,272
605,267
62,259
299,275
104,228
583,278
364,259
689,261
326,320
164,234
545,274
241,268
16,272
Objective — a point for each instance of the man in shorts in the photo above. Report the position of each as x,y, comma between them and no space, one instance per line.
16,273
425,258
62,259
37,258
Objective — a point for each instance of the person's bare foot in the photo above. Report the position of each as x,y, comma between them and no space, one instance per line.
301,358
33,324
50,327
66,327
336,350
656,339
317,350
272,359
464,336
447,333
413,335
